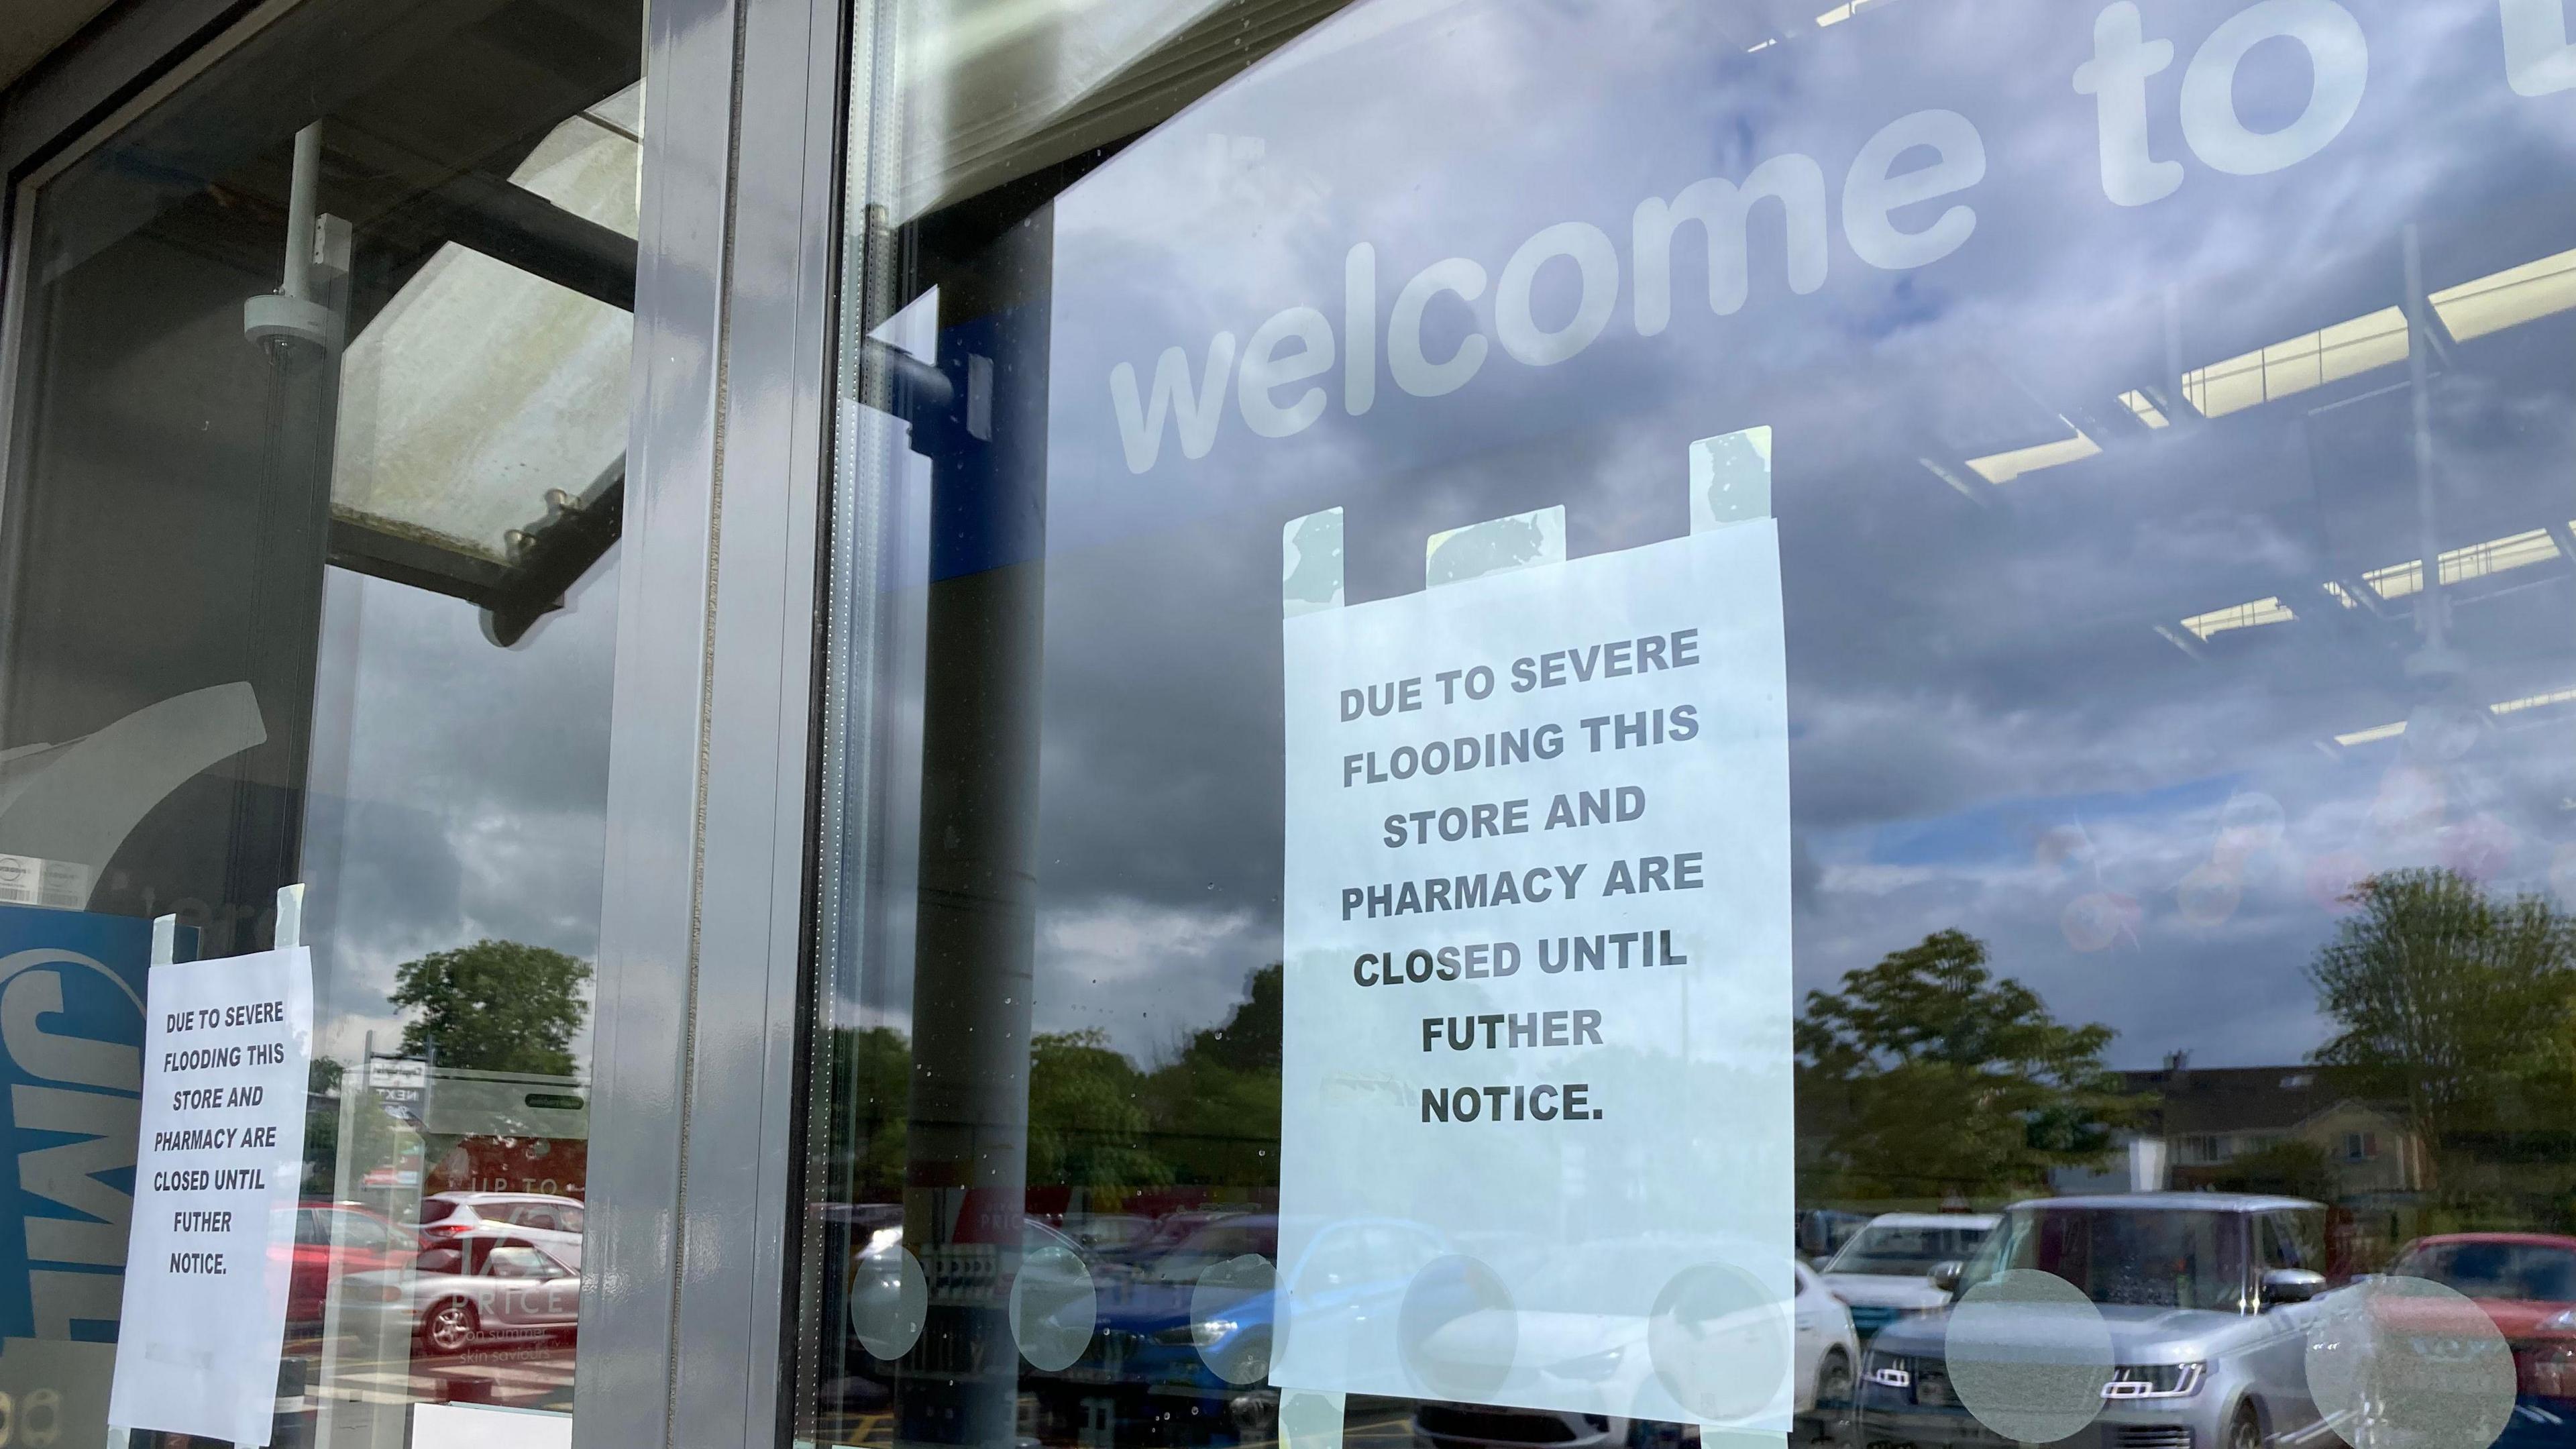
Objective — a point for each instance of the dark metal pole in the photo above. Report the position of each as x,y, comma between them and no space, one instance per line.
975,940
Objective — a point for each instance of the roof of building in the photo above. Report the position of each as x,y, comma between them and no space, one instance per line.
2193,1100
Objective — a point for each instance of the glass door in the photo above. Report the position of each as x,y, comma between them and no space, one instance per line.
316,464
1602,725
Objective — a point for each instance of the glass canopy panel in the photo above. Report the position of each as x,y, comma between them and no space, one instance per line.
481,387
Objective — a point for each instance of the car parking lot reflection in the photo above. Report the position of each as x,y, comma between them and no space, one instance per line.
2210,1315
2222,1319
2175,1321
2204,1302
395,1299
453,1299
1184,1327
474,1318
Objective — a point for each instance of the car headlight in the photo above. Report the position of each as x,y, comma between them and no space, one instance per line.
2563,1321
2155,1381
1889,1371
1201,1333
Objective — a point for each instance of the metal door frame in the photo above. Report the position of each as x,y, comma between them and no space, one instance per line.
711,737
699,1013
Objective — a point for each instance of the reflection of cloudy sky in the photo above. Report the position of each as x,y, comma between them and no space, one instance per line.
475,781
1972,687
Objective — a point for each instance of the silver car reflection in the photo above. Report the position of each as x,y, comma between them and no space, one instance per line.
454,1297
2207,1297
1884,1271
553,1224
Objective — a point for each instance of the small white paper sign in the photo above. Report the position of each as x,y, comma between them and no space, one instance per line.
226,1049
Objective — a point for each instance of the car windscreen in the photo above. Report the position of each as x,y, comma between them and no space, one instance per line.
1904,1252
2530,1272
1216,1243
2163,1258
1108,1232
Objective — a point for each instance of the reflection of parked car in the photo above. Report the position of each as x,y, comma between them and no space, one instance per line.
1885,1271
1107,1233
366,1242
552,1223
2207,1299
2526,1282
1147,1372
476,1289
1823,1231
873,1246
1823,1362
1148,1359
864,1243
1828,1356
1168,1233
1218,1241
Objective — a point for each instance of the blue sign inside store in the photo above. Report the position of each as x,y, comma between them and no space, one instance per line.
71,1034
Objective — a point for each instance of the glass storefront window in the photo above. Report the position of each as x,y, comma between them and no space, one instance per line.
315,471
1593,725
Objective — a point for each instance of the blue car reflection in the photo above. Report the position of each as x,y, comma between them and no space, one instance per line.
1151,1356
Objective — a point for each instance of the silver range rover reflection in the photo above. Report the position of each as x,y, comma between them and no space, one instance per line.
2208,1298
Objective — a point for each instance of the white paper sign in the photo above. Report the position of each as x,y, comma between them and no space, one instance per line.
226,1049
1536,1134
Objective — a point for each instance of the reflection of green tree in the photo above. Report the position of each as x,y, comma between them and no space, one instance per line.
321,1125
1209,1117
2453,1006
1928,1075
1216,1105
494,1006
871,1091
1087,1124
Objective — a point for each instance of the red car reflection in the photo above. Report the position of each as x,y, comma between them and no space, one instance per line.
366,1241
2526,1282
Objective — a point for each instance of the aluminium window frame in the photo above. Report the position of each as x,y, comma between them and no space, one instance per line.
704,958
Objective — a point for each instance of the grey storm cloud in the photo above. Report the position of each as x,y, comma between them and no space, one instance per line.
460,789
1970,680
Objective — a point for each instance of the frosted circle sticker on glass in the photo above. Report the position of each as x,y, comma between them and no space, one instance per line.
1458,1329
889,1300
1536,916
1230,1311
2406,1363
2029,1355
1719,1341
1053,1307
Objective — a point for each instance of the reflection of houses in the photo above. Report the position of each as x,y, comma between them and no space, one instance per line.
2280,1129
2260,1129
